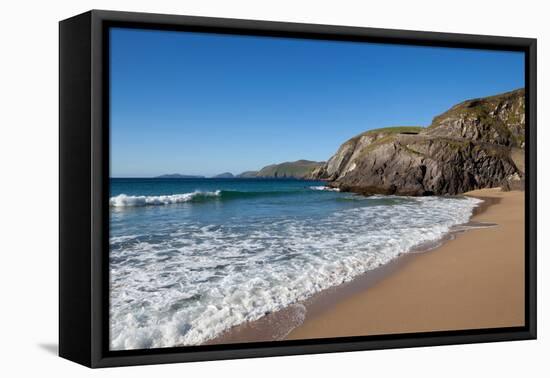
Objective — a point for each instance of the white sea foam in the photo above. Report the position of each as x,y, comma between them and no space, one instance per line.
123,200
327,188
198,281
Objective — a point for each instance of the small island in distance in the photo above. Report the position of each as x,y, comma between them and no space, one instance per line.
178,176
224,175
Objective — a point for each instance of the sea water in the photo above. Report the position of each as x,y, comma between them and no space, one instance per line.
190,258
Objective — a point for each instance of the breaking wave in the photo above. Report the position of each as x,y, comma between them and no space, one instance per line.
124,200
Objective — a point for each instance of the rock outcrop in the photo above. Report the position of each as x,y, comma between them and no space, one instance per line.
476,144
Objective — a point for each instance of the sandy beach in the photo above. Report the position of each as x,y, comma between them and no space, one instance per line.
475,280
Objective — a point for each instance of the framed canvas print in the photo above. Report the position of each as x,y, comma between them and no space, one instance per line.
234,188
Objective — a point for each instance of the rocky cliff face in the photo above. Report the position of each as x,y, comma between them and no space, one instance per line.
475,144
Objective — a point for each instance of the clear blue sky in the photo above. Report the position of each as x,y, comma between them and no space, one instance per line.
204,104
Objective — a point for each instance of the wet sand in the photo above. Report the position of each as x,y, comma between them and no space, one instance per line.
474,280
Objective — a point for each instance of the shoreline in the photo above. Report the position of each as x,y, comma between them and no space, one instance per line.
413,293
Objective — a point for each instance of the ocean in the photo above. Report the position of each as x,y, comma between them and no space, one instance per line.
190,258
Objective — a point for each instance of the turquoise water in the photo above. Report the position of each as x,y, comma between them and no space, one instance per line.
221,201
190,258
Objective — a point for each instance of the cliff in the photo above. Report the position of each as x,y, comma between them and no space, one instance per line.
476,144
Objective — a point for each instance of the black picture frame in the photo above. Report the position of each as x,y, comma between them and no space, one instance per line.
84,188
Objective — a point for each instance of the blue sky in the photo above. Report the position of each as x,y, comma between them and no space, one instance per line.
204,104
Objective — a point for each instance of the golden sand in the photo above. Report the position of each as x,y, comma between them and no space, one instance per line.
474,281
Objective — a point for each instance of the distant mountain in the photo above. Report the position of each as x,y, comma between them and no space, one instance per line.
248,174
295,169
224,175
178,176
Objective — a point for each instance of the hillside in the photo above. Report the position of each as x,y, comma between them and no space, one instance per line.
299,169
296,169
248,174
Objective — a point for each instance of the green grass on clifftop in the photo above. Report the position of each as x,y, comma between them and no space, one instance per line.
396,129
